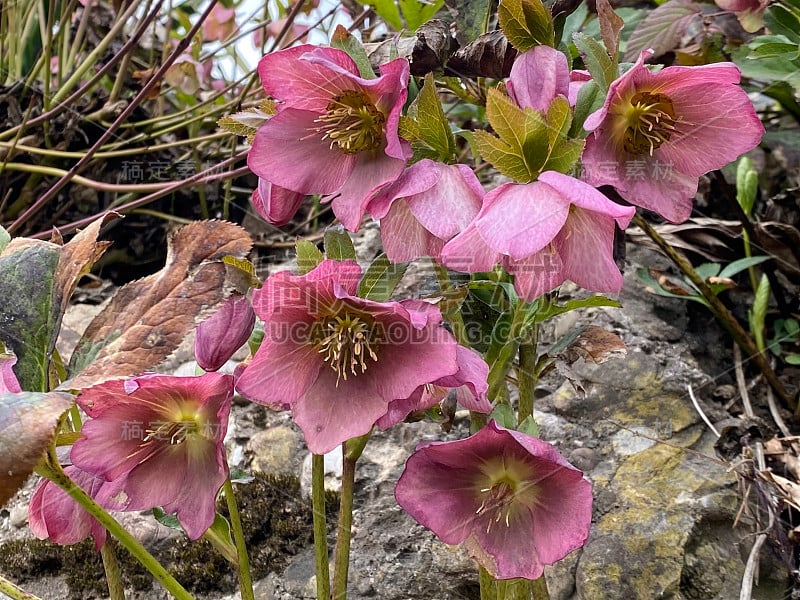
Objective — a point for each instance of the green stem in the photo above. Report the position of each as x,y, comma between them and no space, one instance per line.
454,316
50,469
527,376
539,588
320,526
486,581
15,593
351,451
721,312
116,591
243,567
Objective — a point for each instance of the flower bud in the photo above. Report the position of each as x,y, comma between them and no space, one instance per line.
224,333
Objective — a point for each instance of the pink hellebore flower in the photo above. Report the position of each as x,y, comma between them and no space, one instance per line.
54,515
511,499
222,334
657,133
429,204
274,204
544,232
162,437
8,379
220,24
335,133
338,360
749,12
537,77
469,382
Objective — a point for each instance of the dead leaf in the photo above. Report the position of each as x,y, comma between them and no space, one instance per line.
427,50
147,319
610,26
596,345
27,424
490,55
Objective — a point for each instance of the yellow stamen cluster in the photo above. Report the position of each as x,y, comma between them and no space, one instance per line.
499,500
346,345
175,432
650,122
352,123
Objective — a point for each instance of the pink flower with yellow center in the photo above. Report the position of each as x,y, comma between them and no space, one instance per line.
658,132
160,437
334,133
513,501
338,360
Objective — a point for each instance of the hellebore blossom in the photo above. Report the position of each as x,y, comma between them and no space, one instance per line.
222,334
658,132
469,382
8,379
220,24
160,437
334,133
750,13
274,204
54,515
544,232
511,499
338,360
537,77
429,204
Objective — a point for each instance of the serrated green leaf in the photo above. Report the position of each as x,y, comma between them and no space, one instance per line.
559,118
344,40
380,279
339,245
596,59
5,237
417,12
564,156
503,415
502,157
244,123
526,23
308,256
434,128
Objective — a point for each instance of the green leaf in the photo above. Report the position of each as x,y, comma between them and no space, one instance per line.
526,23
380,279
643,274
663,28
590,98
781,20
502,157
746,184
553,310
417,12
758,313
504,416
30,316
707,270
344,40
472,18
339,245
431,126
5,237
792,359
529,427
387,10
564,156
596,59
775,50
308,256
219,534
740,265
168,520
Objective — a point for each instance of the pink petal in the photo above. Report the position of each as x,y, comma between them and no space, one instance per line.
275,204
280,373
417,178
288,152
537,77
536,274
587,197
8,380
518,220
227,330
469,253
403,236
448,207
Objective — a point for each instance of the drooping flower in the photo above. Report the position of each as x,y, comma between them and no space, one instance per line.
429,204
274,204
223,333
544,232
511,499
658,132
54,515
8,379
161,438
338,360
220,24
469,382
750,13
537,77
334,133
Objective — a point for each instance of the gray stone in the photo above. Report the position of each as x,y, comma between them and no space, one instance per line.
275,450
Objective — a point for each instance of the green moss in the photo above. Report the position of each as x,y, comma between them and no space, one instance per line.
277,524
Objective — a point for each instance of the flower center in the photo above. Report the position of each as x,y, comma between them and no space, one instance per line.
498,500
352,122
650,122
174,432
346,345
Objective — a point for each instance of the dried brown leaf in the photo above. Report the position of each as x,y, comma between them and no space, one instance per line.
490,55
147,319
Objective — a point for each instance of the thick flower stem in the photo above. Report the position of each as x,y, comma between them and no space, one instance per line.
116,590
351,451
721,312
320,527
15,593
527,377
243,567
50,469
487,586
